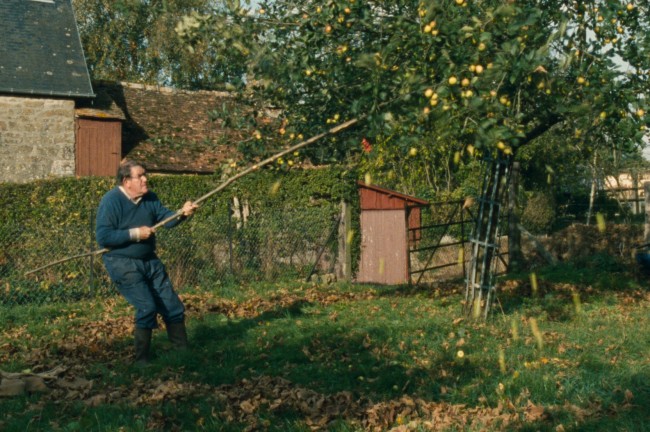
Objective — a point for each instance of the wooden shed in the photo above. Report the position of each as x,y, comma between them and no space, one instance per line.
386,217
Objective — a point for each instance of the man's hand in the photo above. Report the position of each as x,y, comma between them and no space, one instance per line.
188,208
144,232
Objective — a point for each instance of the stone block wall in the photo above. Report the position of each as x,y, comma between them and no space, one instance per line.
37,138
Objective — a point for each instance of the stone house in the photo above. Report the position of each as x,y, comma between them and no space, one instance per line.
43,74
54,122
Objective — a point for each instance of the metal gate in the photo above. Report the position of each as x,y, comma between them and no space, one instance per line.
441,249
437,248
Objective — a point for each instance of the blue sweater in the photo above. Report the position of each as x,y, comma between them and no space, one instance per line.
117,214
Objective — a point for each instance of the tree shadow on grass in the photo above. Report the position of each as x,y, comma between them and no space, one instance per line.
308,350
624,408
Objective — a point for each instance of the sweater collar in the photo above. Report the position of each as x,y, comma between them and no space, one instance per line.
134,201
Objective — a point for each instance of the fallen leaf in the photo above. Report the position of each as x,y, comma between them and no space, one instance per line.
12,387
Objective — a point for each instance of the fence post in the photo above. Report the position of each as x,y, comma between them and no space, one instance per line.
230,210
515,254
646,230
90,249
344,256
635,192
463,209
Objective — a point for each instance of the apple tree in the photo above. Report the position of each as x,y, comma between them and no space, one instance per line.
461,78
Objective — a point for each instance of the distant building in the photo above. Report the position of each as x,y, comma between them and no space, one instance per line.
627,188
42,74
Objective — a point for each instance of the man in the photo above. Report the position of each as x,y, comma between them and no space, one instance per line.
125,221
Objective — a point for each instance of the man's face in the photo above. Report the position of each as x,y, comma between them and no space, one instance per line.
136,183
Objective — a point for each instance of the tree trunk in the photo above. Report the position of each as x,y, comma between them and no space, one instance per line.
592,193
516,260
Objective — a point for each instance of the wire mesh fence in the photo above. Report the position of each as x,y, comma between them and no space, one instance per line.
225,242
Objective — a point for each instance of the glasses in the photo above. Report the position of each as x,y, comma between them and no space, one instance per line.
138,176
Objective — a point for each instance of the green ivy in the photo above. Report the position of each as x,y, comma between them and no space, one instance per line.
47,220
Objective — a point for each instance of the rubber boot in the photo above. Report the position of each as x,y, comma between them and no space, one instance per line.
142,345
177,334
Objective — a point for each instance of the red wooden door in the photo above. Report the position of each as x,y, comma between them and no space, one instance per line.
98,147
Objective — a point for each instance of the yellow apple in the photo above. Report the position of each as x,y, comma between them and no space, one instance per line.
453,80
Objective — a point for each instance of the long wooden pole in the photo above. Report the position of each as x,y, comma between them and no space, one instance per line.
336,129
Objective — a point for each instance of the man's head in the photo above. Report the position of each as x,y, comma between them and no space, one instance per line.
132,177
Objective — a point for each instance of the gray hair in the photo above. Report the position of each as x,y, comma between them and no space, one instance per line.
124,170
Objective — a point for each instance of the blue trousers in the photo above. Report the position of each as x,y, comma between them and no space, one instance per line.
146,286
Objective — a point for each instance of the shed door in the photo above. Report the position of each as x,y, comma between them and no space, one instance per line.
99,147
384,250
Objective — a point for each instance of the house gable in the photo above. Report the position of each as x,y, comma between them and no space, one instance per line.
40,50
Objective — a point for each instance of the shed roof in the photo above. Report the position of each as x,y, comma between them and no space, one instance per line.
379,198
40,49
171,130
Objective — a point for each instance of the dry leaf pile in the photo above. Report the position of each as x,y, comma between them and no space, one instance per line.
254,307
61,370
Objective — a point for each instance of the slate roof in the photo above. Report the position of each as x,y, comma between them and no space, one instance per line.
40,49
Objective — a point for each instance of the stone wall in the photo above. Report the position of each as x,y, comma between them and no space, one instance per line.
37,138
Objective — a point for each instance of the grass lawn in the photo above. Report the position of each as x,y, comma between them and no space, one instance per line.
567,350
